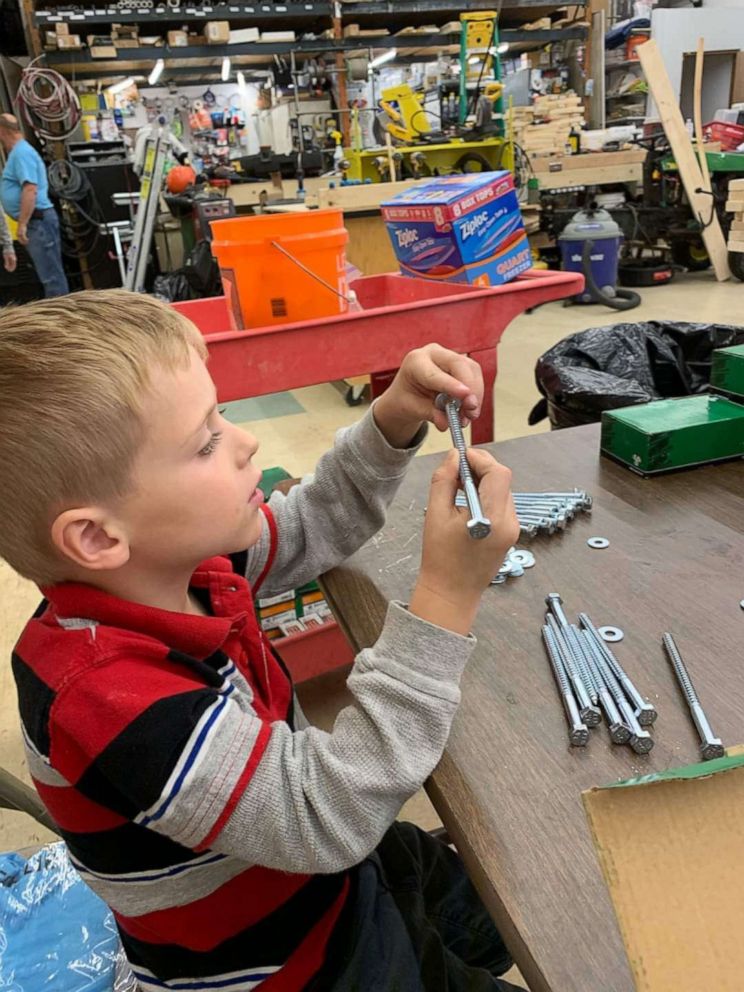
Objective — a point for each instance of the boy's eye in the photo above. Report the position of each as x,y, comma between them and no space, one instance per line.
211,444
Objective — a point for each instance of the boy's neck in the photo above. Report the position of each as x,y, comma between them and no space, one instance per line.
161,591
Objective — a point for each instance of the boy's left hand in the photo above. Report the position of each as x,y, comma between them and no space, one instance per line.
409,399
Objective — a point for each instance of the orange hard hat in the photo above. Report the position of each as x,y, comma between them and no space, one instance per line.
179,177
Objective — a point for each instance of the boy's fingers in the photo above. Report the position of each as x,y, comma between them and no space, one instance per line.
493,479
445,482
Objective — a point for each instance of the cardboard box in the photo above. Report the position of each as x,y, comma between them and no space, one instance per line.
217,32
667,434
670,849
61,28
178,39
101,46
727,370
69,41
125,35
465,228
244,36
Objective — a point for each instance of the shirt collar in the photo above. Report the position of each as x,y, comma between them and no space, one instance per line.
197,636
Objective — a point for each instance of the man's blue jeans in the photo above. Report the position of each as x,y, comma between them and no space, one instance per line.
45,248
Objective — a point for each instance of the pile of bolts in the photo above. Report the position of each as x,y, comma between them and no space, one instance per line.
549,512
591,681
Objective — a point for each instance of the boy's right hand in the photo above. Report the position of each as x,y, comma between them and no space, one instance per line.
455,568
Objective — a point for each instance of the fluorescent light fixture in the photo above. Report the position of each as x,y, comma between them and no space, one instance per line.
157,72
474,59
501,49
225,68
387,56
123,85
241,79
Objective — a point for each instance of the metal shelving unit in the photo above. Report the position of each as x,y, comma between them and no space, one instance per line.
308,16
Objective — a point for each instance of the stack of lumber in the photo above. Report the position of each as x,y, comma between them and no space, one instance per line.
735,205
543,128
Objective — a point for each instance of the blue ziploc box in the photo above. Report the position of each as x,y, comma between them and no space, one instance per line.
459,229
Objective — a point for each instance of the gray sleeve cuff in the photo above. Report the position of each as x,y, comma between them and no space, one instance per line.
428,657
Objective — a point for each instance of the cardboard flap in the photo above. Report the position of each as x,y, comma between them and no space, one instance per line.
671,847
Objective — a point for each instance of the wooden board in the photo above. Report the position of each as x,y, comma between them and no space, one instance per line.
737,225
366,197
735,206
603,176
736,186
697,104
667,104
590,160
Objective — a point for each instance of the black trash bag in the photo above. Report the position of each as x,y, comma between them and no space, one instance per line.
197,279
173,287
202,271
605,368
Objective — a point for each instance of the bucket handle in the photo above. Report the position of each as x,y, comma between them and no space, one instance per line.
291,257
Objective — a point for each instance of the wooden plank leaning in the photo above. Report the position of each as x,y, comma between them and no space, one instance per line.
702,205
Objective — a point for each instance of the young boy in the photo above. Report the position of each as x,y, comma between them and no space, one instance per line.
237,847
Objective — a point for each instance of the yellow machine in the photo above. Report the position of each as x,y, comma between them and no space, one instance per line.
402,114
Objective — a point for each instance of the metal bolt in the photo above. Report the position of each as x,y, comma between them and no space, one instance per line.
579,733
588,712
582,498
645,713
619,733
640,740
479,526
588,678
710,746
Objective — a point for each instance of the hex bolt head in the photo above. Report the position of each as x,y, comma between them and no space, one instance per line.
712,749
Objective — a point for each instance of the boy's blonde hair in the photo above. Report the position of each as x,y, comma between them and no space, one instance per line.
74,371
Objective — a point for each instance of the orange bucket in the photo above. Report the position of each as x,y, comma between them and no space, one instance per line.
283,267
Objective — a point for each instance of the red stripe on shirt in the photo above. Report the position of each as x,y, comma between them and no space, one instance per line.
73,812
273,544
240,786
82,728
205,923
310,953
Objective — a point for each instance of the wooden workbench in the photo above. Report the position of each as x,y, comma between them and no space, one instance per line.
590,169
508,787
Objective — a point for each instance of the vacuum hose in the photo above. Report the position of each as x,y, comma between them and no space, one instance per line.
625,299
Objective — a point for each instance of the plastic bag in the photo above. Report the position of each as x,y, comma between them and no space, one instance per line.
605,368
56,935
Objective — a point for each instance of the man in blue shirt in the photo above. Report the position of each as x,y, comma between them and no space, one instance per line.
24,195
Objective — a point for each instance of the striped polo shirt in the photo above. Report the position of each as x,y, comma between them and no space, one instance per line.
143,728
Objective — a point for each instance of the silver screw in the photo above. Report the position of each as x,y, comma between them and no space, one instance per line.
619,733
640,739
710,746
645,713
587,676
588,712
579,733
479,526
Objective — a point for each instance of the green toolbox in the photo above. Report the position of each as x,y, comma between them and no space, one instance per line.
669,434
727,370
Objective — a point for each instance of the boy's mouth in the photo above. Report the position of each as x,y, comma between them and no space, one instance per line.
256,496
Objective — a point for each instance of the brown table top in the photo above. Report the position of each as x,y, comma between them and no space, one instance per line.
509,786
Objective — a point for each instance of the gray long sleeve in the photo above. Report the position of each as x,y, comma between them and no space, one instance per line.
323,521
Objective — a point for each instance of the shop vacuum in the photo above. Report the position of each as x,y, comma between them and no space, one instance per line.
590,244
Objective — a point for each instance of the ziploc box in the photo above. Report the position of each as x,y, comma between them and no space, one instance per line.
459,229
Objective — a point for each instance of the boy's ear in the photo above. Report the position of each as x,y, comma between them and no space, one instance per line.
91,538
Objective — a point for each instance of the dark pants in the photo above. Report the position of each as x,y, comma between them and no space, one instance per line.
414,923
45,248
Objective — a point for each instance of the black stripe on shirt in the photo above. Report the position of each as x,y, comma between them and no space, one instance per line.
141,758
125,849
35,700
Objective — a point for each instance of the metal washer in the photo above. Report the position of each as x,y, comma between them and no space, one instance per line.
524,558
598,542
610,634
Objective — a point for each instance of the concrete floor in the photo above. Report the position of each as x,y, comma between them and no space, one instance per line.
295,441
